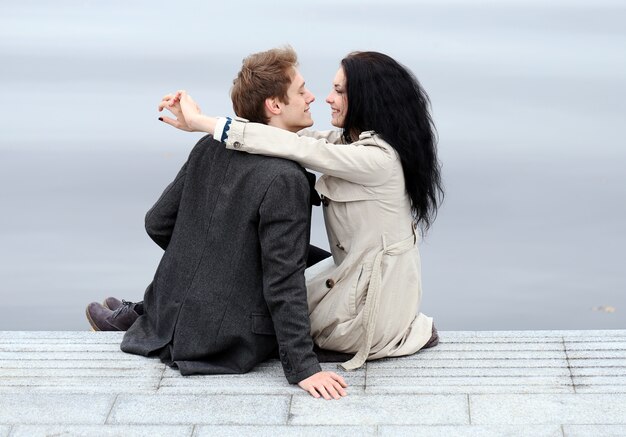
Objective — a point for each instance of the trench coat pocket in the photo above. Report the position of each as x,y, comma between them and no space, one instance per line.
358,293
340,190
262,324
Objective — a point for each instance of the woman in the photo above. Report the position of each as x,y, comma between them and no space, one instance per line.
381,181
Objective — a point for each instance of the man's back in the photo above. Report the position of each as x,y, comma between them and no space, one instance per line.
235,231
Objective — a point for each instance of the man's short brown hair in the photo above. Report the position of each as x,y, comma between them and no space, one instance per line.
263,75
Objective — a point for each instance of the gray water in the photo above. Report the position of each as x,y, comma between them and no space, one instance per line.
528,99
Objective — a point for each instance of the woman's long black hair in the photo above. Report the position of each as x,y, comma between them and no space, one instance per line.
384,96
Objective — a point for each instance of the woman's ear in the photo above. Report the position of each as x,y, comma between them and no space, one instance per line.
273,106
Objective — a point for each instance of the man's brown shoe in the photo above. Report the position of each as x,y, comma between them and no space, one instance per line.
125,315
112,303
97,316
103,319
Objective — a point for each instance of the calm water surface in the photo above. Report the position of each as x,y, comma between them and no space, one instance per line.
528,100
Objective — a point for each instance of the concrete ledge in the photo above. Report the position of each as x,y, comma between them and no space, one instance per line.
536,383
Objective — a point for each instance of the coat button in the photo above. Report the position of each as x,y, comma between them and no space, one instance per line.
330,283
325,200
237,144
339,246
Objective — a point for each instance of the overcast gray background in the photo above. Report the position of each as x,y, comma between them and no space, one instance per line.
528,97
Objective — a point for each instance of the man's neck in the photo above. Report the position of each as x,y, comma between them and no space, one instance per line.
277,123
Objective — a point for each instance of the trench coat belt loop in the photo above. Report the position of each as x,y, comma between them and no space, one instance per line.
370,309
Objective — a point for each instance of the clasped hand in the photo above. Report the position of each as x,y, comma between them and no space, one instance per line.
188,115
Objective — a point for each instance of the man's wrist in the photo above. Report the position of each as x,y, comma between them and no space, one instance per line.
304,374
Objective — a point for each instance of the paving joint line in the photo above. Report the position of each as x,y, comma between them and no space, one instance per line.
158,387
365,378
289,415
111,410
193,430
469,409
569,367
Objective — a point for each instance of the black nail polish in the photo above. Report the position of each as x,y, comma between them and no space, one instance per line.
160,118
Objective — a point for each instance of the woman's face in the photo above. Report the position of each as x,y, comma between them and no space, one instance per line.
338,99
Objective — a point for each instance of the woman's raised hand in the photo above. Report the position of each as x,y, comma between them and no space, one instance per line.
171,102
188,115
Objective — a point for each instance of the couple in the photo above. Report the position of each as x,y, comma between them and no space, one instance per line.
230,288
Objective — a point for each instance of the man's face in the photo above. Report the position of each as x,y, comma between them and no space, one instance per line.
295,115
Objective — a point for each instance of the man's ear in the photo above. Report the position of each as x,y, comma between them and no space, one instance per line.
273,106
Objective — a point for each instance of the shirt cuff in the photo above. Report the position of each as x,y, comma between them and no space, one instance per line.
221,129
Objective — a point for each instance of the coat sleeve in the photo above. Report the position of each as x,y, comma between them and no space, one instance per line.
161,218
332,136
284,237
368,162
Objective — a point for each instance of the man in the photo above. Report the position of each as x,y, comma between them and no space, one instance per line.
230,287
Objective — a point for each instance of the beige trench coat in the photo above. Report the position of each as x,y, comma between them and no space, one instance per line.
366,299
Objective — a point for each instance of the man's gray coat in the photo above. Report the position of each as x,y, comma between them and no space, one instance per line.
230,287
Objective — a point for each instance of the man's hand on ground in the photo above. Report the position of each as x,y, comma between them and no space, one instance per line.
326,384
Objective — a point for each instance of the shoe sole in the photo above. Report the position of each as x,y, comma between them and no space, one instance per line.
94,327
433,341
